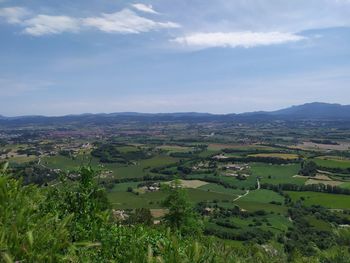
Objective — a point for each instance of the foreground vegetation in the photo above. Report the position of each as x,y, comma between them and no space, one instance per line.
72,222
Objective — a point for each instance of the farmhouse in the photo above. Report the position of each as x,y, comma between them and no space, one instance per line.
237,167
151,188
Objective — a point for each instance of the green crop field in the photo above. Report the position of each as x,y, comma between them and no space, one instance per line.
23,159
174,148
263,196
123,187
345,185
277,174
334,201
126,200
332,162
119,198
127,148
256,206
239,147
220,189
118,170
248,183
65,163
273,222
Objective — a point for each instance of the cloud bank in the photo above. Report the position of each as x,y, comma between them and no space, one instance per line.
245,39
125,21
44,25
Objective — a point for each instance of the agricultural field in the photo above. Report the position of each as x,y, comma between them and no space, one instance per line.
126,200
333,201
263,196
244,184
216,188
277,174
286,156
137,169
332,162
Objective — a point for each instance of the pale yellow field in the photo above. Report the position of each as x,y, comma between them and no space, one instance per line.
332,183
157,213
287,156
191,183
322,177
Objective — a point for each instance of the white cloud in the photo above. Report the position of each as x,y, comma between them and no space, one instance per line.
14,15
44,24
245,39
145,8
126,21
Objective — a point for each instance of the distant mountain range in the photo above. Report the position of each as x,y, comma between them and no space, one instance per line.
315,110
309,111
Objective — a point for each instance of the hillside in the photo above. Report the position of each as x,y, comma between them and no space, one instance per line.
309,111
315,110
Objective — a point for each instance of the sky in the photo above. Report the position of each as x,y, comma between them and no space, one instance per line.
218,56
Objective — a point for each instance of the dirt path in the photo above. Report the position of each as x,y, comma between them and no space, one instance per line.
240,196
247,192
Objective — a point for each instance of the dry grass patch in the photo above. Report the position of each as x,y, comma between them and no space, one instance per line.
322,177
191,183
331,183
158,213
286,156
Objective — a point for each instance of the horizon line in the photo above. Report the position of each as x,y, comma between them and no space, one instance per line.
160,113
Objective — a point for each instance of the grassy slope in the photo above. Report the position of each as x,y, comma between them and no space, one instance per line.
327,200
278,174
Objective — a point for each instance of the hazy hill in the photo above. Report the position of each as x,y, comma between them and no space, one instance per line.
309,111
315,110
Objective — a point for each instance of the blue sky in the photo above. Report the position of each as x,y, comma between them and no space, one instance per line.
219,56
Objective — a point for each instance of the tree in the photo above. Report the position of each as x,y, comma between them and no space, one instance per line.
141,216
181,215
84,200
28,234
308,169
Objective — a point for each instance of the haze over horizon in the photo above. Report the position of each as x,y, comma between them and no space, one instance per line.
311,107
165,56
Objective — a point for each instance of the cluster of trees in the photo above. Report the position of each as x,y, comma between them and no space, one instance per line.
66,153
307,238
325,141
335,169
109,153
257,235
34,174
182,154
308,168
247,159
221,217
29,151
181,216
